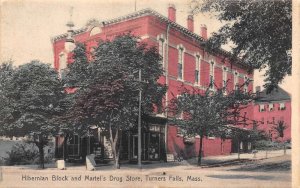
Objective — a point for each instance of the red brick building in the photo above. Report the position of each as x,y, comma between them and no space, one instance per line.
185,63
271,108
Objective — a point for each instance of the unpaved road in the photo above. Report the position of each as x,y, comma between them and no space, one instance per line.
271,173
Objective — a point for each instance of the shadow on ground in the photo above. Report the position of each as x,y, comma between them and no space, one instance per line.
271,166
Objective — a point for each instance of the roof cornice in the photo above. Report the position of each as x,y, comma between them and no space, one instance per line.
146,12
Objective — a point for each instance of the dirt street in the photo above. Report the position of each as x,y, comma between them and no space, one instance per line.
273,172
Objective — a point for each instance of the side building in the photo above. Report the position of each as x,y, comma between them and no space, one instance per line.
186,63
272,108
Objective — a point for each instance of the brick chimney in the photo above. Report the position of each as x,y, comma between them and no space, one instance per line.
203,31
172,12
190,23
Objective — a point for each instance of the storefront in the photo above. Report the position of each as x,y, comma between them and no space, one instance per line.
75,148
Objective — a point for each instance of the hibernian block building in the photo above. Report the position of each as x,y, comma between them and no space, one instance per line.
185,62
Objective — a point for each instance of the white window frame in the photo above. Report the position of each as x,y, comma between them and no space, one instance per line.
197,68
212,74
181,51
271,107
245,84
161,48
179,116
236,79
282,106
262,108
224,75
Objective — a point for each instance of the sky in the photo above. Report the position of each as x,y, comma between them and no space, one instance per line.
26,26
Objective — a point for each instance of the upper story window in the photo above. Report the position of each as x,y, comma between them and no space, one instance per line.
262,108
180,66
62,64
271,107
161,48
246,80
197,69
236,80
179,114
211,75
95,31
224,77
281,106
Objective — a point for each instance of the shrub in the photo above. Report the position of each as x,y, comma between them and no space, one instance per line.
22,153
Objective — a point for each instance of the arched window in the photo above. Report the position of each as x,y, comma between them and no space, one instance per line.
95,31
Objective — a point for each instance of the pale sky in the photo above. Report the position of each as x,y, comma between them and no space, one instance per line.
28,25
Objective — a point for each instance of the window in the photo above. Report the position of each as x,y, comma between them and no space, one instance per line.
236,80
271,107
161,48
281,106
73,145
62,65
180,62
197,70
224,76
179,114
246,80
62,61
261,107
95,31
211,75
180,131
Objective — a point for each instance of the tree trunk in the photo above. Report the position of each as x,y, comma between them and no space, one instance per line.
113,141
266,154
41,153
40,145
200,151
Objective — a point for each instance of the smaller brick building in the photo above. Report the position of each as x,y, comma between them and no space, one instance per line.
270,108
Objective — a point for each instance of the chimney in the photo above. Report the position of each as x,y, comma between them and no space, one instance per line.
172,12
190,23
257,89
203,31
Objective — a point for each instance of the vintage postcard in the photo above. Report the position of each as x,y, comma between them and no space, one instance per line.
140,93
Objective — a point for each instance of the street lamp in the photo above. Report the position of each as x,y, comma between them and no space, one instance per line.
139,125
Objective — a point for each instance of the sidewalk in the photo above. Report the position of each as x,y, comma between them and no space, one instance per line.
210,161
244,156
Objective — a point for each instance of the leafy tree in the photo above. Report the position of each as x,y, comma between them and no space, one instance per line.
107,87
6,71
208,114
34,93
260,30
279,128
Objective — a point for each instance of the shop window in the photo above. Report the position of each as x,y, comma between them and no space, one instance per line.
73,145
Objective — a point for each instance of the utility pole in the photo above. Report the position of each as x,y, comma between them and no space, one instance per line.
139,124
